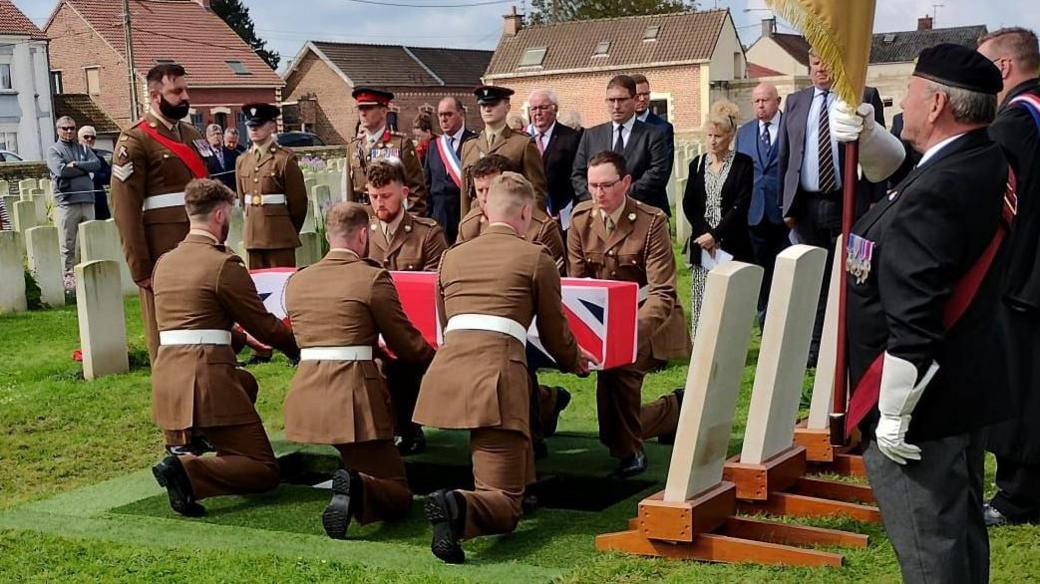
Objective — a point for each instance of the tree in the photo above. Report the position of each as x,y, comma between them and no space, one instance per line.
549,11
236,15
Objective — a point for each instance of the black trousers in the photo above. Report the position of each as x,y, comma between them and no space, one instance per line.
1018,490
818,222
767,240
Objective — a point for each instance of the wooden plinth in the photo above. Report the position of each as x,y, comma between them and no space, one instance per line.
756,481
817,442
844,463
709,547
688,519
838,491
794,505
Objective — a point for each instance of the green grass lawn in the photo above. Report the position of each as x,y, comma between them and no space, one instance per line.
77,502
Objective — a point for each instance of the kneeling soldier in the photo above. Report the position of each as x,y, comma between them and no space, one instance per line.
488,292
201,291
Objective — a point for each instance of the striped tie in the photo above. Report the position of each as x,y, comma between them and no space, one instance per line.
827,183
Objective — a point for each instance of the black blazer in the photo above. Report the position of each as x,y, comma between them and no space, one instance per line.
646,156
731,234
558,159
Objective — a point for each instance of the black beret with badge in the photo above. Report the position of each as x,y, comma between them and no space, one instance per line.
489,94
258,114
958,66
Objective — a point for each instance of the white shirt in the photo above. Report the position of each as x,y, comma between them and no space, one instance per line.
643,116
378,136
937,147
456,138
810,175
625,135
774,128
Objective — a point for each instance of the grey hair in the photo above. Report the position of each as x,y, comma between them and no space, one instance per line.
968,107
210,127
459,106
231,131
547,93
63,119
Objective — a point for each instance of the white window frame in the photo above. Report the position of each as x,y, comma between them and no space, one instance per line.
9,61
9,130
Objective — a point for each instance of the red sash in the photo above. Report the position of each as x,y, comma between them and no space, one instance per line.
449,159
868,390
183,152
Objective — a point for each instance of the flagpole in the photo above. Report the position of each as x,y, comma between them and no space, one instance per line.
838,407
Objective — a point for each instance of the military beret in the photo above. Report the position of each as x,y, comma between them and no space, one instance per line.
959,66
258,114
488,94
371,96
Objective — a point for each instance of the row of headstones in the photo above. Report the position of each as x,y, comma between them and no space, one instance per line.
685,152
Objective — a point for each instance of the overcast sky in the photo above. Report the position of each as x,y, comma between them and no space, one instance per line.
286,25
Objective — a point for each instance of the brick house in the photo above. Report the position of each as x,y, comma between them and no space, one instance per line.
88,56
26,124
323,75
86,112
683,55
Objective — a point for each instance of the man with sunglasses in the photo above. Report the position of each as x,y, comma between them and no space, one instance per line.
70,165
101,178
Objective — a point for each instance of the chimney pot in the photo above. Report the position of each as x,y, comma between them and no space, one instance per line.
768,27
924,23
513,22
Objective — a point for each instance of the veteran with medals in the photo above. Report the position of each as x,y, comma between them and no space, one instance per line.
271,191
378,142
925,266
152,163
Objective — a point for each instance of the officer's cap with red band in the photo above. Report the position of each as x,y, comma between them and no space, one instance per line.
370,96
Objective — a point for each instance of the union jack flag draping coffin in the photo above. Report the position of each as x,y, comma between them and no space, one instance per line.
602,314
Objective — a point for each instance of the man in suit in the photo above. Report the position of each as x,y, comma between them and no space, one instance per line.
642,145
558,145
758,139
443,167
643,114
615,237
498,138
925,285
811,166
202,292
478,380
222,160
338,395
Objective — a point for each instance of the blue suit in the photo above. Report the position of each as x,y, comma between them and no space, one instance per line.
667,129
769,235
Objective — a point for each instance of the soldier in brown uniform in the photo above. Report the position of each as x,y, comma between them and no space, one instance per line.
400,241
498,138
615,237
378,142
152,162
478,381
339,307
201,292
271,191
547,402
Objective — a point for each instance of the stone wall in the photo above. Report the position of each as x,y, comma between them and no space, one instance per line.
12,172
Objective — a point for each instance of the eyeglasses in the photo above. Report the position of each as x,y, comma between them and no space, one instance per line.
603,186
541,108
67,128
91,138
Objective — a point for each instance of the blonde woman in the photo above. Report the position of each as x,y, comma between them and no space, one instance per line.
717,197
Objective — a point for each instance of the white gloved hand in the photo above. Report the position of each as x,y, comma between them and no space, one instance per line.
880,153
847,123
899,394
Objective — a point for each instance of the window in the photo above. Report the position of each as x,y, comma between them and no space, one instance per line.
533,57
56,83
9,141
659,107
238,67
651,32
197,120
5,76
887,102
602,49
888,39
93,81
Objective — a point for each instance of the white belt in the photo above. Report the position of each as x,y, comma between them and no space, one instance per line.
163,201
195,337
277,199
487,322
355,353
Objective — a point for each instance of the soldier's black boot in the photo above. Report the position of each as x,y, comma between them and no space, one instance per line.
446,511
347,491
170,474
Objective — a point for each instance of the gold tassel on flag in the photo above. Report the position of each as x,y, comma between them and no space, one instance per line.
839,32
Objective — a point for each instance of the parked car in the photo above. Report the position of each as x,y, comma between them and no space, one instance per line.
299,139
8,156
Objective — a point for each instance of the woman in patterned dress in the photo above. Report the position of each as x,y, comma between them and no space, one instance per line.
717,197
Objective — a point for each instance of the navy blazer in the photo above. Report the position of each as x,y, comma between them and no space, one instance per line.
667,129
766,204
443,201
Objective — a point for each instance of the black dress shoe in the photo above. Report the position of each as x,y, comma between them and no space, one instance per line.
413,444
669,438
446,511
563,399
529,504
170,475
198,446
631,466
347,491
993,517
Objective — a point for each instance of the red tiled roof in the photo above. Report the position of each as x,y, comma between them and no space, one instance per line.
13,22
82,108
680,37
398,66
181,31
754,71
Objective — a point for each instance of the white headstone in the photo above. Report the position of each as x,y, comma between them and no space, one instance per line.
102,325
682,225
713,380
309,219
39,200
309,251
782,355
99,240
5,187
27,184
12,275
823,383
9,201
234,239
24,216
41,247
322,201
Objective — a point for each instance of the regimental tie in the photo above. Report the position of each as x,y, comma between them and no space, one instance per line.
827,182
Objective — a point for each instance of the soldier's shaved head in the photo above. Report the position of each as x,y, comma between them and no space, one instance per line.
510,200
345,218
203,195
